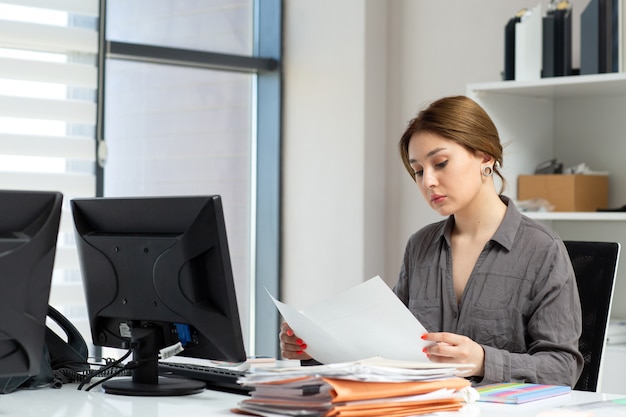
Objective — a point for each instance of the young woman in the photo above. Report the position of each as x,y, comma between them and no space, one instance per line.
493,287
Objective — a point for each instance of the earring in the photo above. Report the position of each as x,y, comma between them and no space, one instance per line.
487,171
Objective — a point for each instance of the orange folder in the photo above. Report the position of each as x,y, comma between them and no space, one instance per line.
371,399
396,410
345,390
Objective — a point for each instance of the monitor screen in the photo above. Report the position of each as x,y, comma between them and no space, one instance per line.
29,225
156,272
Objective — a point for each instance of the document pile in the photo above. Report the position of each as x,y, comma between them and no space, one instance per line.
371,387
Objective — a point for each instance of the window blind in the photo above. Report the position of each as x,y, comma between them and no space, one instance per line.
48,92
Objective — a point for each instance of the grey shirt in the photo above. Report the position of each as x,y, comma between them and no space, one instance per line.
520,303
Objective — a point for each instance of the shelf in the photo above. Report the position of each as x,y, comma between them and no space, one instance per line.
577,216
558,87
616,348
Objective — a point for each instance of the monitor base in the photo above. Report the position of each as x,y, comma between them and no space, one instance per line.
165,387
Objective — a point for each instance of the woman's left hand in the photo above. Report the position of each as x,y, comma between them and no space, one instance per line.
454,348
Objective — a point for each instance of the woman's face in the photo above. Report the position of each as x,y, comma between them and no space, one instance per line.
447,174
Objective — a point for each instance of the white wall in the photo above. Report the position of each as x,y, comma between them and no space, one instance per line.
356,71
333,152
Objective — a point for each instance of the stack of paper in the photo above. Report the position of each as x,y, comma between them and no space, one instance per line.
372,387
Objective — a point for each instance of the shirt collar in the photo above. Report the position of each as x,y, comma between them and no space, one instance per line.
505,235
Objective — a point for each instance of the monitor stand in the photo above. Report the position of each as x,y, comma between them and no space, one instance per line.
145,379
165,386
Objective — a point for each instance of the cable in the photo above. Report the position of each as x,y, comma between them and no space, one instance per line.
104,369
128,367
114,374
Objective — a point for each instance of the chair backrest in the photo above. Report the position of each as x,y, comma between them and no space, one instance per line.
595,267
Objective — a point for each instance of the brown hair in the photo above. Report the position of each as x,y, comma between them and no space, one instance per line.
461,120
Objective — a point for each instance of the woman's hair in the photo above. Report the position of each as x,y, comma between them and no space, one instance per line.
461,120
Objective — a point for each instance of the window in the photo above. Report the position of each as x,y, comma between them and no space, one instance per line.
48,84
173,97
183,88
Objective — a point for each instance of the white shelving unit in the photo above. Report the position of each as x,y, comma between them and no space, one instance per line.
574,119
578,216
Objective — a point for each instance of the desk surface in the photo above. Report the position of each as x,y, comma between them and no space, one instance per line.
69,402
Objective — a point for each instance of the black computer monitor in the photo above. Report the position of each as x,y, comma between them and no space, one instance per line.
29,225
157,271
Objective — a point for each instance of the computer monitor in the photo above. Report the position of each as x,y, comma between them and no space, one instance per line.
29,225
157,271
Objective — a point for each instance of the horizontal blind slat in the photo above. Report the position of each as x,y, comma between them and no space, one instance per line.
51,146
84,7
33,36
66,258
71,74
63,295
66,224
74,185
49,109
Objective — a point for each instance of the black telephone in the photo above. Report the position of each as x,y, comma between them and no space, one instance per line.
66,354
59,356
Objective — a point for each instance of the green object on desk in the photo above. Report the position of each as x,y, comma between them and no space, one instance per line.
519,393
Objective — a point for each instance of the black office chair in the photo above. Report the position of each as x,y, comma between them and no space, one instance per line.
595,266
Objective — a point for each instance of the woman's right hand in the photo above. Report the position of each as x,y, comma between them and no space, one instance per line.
291,346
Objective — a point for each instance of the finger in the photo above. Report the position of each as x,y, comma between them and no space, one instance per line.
442,353
445,337
292,340
443,359
283,337
287,335
291,346
291,343
284,327
300,355
294,351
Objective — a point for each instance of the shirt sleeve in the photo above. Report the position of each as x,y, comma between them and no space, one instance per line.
553,329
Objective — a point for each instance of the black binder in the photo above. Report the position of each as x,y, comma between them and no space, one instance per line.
557,43
599,37
509,48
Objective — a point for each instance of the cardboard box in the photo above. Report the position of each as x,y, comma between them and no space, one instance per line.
566,192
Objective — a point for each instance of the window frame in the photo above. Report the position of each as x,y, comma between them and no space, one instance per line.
265,63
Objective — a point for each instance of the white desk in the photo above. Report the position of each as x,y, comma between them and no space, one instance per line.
533,408
69,402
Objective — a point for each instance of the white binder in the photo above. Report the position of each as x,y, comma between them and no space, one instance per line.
528,45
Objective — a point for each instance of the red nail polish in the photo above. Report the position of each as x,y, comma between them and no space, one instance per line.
299,341
289,333
423,337
300,352
424,350
303,346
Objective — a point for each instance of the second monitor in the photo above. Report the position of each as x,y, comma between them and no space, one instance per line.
29,226
157,272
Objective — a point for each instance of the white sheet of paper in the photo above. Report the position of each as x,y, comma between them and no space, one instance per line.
366,321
